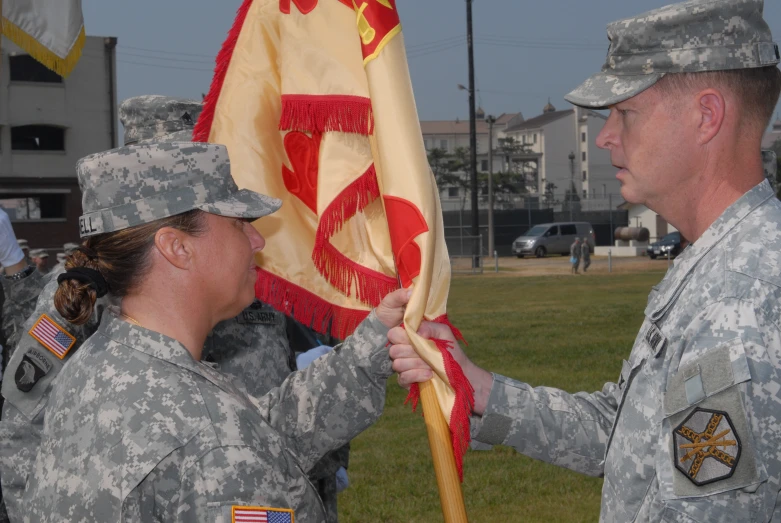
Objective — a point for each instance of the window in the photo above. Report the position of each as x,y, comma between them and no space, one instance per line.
443,144
535,137
583,155
585,176
568,229
452,192
583,137
37,138
484,165
553,231
39,207
585,193
25,68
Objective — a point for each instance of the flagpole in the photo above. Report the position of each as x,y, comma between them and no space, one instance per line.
451,497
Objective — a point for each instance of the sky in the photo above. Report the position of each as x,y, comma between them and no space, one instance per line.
525,51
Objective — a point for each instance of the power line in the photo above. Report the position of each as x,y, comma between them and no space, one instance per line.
165,58
165,66
160,51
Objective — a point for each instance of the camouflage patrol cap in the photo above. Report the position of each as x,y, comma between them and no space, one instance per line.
70,247
693,36
142,183
38,253
156,117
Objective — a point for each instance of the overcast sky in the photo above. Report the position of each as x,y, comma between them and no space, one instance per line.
525,51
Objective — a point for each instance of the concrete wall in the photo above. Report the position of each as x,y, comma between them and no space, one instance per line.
642,216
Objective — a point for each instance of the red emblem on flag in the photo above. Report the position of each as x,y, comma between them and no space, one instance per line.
378,23
405,223
303,153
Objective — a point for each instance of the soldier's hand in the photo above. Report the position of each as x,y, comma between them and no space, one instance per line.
413,369
390,311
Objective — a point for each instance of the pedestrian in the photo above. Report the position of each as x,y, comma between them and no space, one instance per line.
39,257
139,428
251,348
585,254
689,430
574,255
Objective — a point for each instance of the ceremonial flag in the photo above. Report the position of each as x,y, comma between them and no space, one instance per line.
313,100
51,31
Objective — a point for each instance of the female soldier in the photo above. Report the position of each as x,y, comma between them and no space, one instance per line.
138,428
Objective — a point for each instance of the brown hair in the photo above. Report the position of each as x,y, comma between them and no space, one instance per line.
121,257
757,89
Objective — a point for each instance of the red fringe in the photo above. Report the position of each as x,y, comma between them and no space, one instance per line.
324,113
444,320
460,434
340,271
203,126
306,307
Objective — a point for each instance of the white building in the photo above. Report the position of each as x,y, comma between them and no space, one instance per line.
46,124
642,216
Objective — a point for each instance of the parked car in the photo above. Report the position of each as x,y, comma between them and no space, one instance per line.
670,243
552,238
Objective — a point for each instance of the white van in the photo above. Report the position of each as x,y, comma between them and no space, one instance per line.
553,238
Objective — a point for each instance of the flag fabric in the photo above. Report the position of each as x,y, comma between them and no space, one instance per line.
241,514
52,32
314,101
52,336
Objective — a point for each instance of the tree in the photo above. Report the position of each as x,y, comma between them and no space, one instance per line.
549,196
521,174
449,169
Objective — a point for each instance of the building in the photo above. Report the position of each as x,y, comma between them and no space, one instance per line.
773,135
46,124
642,216
560,149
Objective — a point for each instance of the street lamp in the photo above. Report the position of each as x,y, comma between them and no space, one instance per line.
491,121
572,181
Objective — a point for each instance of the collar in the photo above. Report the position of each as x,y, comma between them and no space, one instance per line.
685,264
159,346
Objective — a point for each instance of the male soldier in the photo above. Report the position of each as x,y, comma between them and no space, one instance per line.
690,432
574,255
39,257
585,254
252,348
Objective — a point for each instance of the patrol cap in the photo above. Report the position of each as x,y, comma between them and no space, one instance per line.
689,37
142,183
152,117
70,247
38,253
61,257
22,244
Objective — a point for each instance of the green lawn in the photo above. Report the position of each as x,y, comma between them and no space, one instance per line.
564,332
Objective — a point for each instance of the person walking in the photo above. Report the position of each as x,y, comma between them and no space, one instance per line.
574,255
585,254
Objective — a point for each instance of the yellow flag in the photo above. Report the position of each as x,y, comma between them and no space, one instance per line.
314,101
51,31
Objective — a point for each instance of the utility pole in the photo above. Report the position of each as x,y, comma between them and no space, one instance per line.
472,138
491,121
572,182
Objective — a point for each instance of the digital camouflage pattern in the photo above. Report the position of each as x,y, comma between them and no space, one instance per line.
20,299
142,183
151,116
770,166
710,341
159,436
688,37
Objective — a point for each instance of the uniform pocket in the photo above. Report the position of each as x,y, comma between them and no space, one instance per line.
707,443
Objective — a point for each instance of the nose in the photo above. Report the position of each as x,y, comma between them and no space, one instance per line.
256,240
608,136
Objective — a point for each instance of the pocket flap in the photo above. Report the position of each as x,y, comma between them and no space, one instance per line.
706,375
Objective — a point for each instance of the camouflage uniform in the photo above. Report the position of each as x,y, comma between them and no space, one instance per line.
167,437
585,254
770,164
689,432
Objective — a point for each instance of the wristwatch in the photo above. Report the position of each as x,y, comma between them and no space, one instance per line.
24,273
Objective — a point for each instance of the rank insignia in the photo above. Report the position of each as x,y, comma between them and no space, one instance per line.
707,448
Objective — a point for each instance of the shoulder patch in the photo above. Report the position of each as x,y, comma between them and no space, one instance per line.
707,447
31,369
241,514
257,317
49,334
655,339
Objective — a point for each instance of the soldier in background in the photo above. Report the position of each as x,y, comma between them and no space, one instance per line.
574,255
689,432
39,258
585,254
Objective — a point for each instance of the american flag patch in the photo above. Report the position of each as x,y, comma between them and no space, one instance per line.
52,336
261,515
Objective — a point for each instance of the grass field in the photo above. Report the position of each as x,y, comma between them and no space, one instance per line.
560,331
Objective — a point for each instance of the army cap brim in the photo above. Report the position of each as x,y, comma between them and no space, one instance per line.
243,204
602,90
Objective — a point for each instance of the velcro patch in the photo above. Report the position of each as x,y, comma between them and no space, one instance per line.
257,317
707,447
32,368
241,514
49,334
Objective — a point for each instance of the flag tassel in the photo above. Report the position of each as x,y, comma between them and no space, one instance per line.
61,66
326,113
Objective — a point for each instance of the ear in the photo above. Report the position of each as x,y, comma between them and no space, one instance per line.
175,246
713,111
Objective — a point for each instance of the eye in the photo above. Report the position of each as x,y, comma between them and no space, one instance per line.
623,112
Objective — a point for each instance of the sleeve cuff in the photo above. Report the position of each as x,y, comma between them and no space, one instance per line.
494,426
